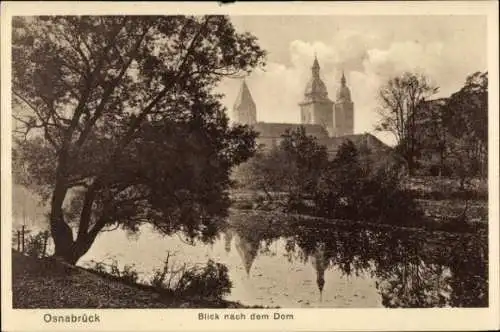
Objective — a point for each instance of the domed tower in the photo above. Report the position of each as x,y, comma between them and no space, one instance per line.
244,110
316,108
343,118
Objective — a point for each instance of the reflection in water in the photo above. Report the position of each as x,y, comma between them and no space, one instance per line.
293,262
247,249
320,263
228,237
412,268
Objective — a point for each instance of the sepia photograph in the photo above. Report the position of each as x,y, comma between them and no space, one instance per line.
265,162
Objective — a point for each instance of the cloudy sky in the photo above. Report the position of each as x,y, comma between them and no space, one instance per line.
370,49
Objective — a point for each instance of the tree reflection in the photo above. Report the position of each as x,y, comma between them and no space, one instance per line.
320,263
253,234
228,237
412,268
247,248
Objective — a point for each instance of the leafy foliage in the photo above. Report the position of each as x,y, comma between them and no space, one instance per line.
413,269
467,127
36,245
212,281
446,136
117,122
351,190
293,167
208,282
128,274
350,186
400,107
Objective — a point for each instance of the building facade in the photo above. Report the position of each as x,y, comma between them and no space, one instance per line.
244,110
343,120
317,108
331,122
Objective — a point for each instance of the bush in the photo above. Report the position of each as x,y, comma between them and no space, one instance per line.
349,191
208,282
128,274
159,277
36,245
211,281
381,199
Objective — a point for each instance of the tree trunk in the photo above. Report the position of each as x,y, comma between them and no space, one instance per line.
61,232
410,164
65,247
63,240
71,251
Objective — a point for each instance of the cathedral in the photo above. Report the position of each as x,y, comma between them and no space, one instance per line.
330,122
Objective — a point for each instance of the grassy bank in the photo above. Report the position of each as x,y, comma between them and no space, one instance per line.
440,199
47,283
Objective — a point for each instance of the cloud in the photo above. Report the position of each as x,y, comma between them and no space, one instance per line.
368,60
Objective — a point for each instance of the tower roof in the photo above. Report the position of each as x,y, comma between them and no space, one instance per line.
315,67
343,93
244,97
316,88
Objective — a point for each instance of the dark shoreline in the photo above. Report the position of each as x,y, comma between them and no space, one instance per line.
60,285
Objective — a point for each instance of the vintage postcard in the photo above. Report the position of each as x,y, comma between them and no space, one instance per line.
250,166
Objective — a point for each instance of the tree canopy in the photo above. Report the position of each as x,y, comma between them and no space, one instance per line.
117,121
401,98
466,118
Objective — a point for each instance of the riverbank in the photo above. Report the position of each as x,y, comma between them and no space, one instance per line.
58,285
440,199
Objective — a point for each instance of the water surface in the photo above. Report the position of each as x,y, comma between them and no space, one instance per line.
276,261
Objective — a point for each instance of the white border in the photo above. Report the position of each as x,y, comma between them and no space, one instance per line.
305,319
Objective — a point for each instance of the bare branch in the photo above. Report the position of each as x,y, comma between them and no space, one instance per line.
110,89
45,123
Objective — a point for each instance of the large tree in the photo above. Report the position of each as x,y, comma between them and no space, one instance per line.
117,122
293,168
466,118
401,100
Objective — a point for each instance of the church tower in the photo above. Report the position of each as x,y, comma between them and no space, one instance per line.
343,118
317,108
244,110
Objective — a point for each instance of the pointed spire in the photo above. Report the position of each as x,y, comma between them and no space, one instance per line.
244,96
320,264
247,249
245,110
343,92
315,67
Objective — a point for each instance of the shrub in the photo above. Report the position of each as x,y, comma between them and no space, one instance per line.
36,245
159,278
383,200
128,274
349,191
211,281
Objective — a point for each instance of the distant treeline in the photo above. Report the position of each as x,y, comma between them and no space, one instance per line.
447,136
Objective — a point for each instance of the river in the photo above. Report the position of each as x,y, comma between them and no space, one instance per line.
273,262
